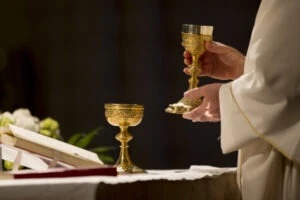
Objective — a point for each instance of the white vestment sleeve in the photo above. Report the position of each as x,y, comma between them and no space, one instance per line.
235,128
265,102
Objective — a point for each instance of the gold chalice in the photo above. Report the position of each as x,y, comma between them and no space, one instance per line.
193,40
123,116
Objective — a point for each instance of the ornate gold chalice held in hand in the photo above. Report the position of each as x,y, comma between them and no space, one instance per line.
124,116
193,40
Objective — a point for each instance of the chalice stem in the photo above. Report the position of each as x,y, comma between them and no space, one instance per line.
124,158
124,137
193,41
124,116
194,71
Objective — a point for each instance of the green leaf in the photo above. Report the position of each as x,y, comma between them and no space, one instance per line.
103,149
86,139
74,138
106,158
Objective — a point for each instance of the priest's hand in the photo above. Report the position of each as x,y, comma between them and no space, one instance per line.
219,61
209,110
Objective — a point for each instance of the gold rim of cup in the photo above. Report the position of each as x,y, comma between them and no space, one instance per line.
123,106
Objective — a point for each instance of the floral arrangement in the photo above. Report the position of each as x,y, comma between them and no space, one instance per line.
50,127
23,118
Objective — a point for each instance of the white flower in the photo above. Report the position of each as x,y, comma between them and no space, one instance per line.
6,118
23,118
7,115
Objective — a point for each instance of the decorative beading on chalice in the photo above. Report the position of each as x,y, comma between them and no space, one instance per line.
124,116
193,40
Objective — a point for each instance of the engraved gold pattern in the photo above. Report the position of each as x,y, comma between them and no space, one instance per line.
193,40
124,113
124,116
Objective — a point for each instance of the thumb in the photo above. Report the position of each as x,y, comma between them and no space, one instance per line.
194,93
216,47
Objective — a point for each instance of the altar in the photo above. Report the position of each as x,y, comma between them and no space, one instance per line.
197,182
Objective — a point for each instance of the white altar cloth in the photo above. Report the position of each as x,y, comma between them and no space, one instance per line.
86,188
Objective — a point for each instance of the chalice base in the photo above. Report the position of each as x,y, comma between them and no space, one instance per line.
183,106
133,169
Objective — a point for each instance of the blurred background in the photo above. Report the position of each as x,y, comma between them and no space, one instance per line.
66,59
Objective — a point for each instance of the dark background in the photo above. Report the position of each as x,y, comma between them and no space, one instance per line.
66,59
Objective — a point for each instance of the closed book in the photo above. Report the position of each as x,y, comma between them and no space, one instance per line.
60,172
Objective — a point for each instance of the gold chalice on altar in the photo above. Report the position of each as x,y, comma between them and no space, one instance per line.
193,40
124,116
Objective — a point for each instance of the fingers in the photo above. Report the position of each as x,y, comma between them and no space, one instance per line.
206,60
193,115
209,110
195,93
213,47
187,61
204,113
187,58
201,114
217,47
186,54
186,70
203,72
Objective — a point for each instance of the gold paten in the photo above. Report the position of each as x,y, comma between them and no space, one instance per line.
124,116
193,40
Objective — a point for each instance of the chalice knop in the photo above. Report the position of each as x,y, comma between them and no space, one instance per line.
193,40
124,116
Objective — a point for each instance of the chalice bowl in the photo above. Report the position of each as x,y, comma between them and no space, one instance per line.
193,40
124,116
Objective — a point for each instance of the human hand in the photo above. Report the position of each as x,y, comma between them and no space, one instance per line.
209,110
219,61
